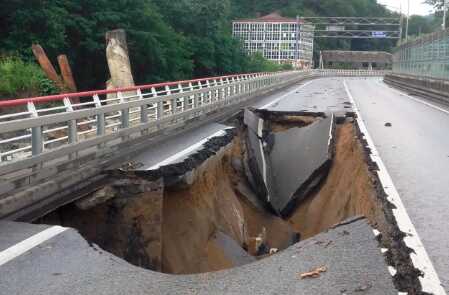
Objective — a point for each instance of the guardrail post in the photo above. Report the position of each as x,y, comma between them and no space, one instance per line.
227,90
232,87
72,128
200,95
37,143
143,108
125,112
191,100
209,93
182,99
238,86
100,117
159,105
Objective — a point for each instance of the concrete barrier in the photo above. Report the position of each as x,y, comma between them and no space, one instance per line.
434,89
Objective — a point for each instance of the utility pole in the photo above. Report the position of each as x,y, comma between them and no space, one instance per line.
408,18
401,29
297,39
445,6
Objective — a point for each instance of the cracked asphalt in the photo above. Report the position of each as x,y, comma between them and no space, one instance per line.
415,150
67,264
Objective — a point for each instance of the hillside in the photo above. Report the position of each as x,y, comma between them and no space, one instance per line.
168,40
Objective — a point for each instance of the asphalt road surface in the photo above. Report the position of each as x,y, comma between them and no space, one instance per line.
415,150
67,264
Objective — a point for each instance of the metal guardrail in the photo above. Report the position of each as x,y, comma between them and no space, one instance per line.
39,125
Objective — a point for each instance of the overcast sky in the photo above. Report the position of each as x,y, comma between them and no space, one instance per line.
416,6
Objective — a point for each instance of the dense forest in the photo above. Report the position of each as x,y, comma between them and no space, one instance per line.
167,40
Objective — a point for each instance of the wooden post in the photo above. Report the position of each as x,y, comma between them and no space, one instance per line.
66,73
46,65
67,76
118,59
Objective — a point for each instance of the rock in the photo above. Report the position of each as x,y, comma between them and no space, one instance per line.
99,197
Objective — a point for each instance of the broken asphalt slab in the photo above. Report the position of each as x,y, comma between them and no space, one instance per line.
298,159
67,264
285,166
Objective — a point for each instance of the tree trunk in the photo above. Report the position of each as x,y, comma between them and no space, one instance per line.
118,59
67,76
46,65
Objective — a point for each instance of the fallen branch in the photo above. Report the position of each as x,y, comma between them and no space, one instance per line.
314,273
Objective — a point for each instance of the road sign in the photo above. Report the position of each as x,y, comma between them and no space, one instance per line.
335,28
379,34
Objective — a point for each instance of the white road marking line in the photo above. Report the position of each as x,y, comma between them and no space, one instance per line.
264,168
186,151
330,130
28,244
414,98
430,282
285,95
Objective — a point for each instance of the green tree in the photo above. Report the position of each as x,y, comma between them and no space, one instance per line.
78,27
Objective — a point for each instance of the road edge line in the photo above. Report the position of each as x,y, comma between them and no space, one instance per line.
430,281
421,101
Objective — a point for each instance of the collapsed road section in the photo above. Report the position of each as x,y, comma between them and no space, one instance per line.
286,165
262,187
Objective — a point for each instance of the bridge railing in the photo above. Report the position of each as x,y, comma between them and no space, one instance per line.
32,126
53,146
38,125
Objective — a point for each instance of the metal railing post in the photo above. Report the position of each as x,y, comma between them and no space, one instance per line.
72,128
172,101
37,143
216,91
143,108
182,99
159,105
125,112
100,117
71,125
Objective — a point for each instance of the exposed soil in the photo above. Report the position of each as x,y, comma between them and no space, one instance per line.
347,191
193,214
172,226
287,122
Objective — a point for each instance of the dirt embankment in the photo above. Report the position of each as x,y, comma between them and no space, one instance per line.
194,214
347,191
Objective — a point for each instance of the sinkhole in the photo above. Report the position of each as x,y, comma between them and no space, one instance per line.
269,182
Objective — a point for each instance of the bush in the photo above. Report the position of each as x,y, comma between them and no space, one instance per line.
258,63
21,79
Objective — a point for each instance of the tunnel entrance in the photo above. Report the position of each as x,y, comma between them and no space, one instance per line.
214,212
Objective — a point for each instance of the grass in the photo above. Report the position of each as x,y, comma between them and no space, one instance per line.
21,79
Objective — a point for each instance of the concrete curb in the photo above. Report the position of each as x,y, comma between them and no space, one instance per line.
434,89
